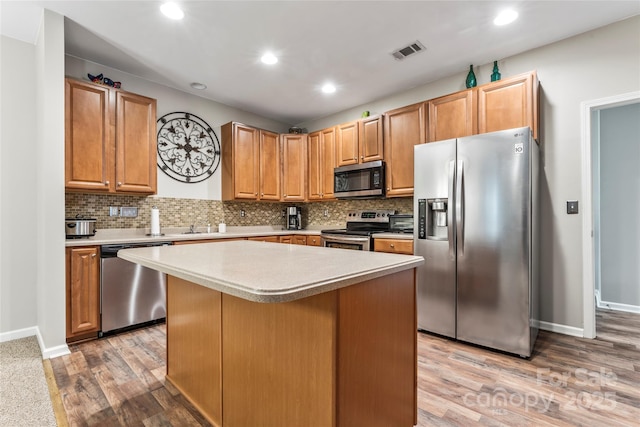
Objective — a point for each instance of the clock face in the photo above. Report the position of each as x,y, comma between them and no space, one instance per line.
188,149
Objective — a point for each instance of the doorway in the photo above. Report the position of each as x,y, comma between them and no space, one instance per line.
591,195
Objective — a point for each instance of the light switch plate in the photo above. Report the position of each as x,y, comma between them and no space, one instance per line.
572,206
114,211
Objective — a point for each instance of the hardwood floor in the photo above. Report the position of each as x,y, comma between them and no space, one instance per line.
568,381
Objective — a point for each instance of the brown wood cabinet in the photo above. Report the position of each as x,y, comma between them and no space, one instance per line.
403,129
347,143
250,163
286,239
396,246
453,116
322,160
509,103
110,140
191,242
359,141
294,167
271,239
82,292
314,241
370,137
299,240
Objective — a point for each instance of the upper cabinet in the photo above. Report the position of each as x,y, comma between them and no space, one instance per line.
370,137
359,141
509,103
403,129
110,140
347,143
294,167
453,116
321,147
250,163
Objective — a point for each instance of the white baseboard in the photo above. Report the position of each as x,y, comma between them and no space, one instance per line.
618,306
18,333
47,353
561,329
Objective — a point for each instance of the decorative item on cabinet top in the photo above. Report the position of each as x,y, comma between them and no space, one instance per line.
188,148
471,78
100,79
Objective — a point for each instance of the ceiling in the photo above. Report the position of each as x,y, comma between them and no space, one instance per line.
219,43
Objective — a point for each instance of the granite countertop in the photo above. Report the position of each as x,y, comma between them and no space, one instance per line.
269,272
140,235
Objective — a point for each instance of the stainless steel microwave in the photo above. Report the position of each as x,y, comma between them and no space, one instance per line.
364,180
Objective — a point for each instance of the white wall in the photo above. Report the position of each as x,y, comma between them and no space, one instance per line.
593,65
172,100
48,156
18,185
620,204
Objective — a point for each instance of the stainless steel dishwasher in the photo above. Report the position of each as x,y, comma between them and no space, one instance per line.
130,294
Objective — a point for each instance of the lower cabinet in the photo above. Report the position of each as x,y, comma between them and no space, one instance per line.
272,239
395,246
82,292
314,241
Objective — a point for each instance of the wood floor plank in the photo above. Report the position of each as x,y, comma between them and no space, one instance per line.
119,381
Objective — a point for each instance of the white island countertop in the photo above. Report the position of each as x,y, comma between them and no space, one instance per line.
269,272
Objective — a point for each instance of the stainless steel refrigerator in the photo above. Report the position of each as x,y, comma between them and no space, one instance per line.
475,213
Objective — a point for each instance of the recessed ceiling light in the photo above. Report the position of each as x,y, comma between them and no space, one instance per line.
328,88
172,10
506,17
269,58
199,86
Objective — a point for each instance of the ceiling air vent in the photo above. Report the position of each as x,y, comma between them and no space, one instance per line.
414,47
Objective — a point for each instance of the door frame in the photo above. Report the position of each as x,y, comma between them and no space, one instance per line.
588,247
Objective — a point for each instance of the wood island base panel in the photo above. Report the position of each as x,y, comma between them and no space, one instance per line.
341,358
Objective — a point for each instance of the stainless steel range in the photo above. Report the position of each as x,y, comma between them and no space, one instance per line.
361,225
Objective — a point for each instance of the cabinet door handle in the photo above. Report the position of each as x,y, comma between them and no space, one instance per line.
355,158
391,244
362,157
119,184
106,183
262,194
93,255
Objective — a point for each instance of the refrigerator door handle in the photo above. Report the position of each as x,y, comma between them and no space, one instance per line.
460,208
452,177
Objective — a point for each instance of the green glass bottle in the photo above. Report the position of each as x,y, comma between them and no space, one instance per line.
471,77
496,74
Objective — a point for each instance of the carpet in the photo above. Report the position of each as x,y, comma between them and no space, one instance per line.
24,394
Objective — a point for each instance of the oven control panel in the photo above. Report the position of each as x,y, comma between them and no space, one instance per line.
370,216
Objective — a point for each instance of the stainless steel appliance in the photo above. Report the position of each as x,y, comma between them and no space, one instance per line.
294,218
130,294
364,180
361,225
401,223
475,203
79,227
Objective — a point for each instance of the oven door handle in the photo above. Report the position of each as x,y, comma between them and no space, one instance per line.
345,239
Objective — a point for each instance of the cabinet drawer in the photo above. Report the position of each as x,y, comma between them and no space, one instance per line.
394,246
314,241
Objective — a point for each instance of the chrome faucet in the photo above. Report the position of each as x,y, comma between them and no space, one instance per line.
192,228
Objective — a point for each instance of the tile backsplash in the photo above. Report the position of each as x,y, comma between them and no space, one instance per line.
184,212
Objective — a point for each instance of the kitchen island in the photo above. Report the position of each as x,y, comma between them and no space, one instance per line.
286,335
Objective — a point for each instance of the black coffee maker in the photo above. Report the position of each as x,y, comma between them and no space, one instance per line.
294,218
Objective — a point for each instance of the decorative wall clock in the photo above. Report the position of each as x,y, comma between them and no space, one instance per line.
188,148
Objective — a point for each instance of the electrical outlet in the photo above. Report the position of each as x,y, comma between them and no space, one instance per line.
114,211
284,213
242,212
129,211
326,212
572,206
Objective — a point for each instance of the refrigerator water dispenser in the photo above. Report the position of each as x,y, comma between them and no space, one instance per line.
432,219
